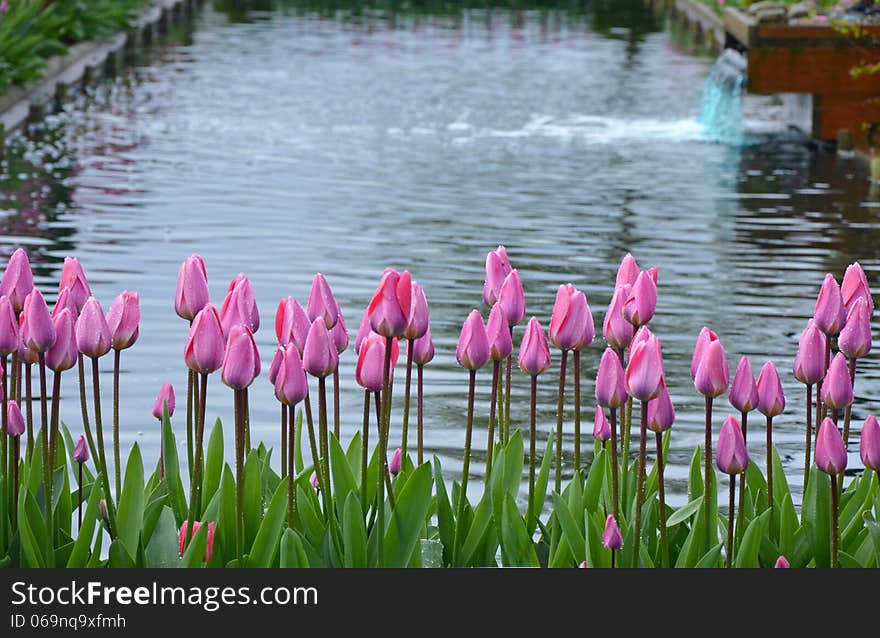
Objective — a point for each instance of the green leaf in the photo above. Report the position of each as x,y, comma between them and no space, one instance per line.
130,512
479,525
747,554
80,554
816,513
195,549
445,518
353,454
711,558
576,541
213,464
408,518
292,552
163,548
32,530
595,480
517,549
224,539
176,496
119,556
695,476
354,533
683,514
253,497
537,505
298,456
343,479
265,545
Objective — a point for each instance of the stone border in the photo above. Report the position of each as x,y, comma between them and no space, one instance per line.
705,25
86,61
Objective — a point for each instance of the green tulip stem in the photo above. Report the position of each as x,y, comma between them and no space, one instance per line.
420,410
4,444
465,468
239,475
612,558
560,405
809,440
84,409
770,468
730,516
79,497
16,447
506,437
615,484
740,524
48,461
195,491
290,471
365,442
661,491
834,520
283,440
406,400
533,435
707,482
490,445
324,435
116,458
190,382
640,484
313,443
336,416
383,442
99,430
577,410
847,412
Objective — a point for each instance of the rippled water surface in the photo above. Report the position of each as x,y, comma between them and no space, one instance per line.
297,142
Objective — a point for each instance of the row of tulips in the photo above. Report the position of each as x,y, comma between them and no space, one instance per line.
354,507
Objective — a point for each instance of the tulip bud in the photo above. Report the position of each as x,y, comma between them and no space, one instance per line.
241,362
276,364
869,444
320,357
744,393
809,362
123,319
837,389
73,279
315,483
395,464
601,427
165,396
661,413
855,337
417,317
571,325
617,331
497,269
713,372
771,398
363,331
10,337
473,343
291,323
423,349
639,306
192,288
611,537
291,385
92,332
14,420
855,286
65,300
37,329
534,351
512,298
205,345
644,372
830,449
627,272
81,451
610,385
18,279
782,563
582,565
703,340
339,335
64,353
322,304
829,307
391,302
239,306
498,333
209,545
102,510
731,455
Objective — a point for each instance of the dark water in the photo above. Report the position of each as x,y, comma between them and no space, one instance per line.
304,141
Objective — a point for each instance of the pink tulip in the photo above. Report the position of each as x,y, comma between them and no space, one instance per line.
92,332
339,335
320,357
512,298
18,279
855,337
611,537
744,392
713,372
241,362
473,343
239,306
534,351
703,339
64,353
14,419
498,333
582,565
80,450
644,372
322,304
809,362
363,331
275,365
830,449
855,286
617,331
64,300
395,464
610,385
291,385
292,324
391,302
639,306
771,398
165,396
601,427
837,389
423,349
74,280
123,319
192,288
10,337
417,316
869,444
315,483
627,272
209,546
205,345
571,325
37,329
731,455
829,307
782,563
497,268
661,413
371,361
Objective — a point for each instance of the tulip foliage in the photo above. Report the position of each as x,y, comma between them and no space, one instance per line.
330,499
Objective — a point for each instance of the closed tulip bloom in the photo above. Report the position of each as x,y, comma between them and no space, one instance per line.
74,280
639,306
18,279
241,363
771,398
14,420
81,450
124,318
209,545
293,326
583,565
611,537
731,455
396,461
497,269
869,444
239,305
601,426
809,362
165,396
473,343
855,286
275,365
837,389
322,304
205,345
389,307
627,272
423,348
829,306
10,337
37,329
644,372
64,353
703,339
417,317
830,449
284,321
512,298
192,288
571,325
610,385
744,392
315,483
782,563
713,372
855,337
65,300
291,385
320,357
617,331
661,413
363,331
498,332
534,351
339,334
371,361
92,332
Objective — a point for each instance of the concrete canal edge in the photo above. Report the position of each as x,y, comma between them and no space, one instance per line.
706,28
85,62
